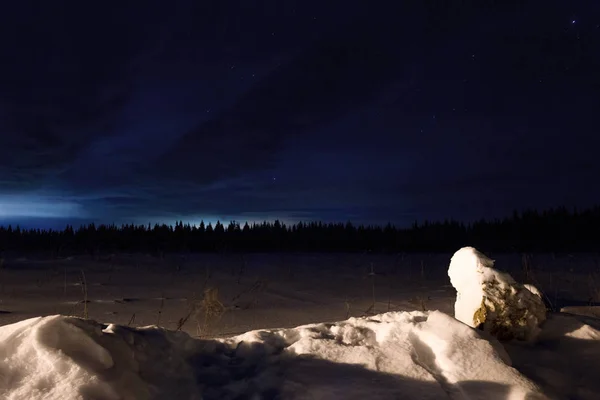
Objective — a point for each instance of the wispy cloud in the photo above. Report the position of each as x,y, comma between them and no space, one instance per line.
35,206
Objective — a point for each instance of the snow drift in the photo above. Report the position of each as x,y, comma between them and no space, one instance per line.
389,356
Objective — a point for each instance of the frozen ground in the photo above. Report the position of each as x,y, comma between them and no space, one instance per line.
216,296
256,291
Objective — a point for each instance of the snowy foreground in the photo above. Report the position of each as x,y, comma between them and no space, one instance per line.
396,355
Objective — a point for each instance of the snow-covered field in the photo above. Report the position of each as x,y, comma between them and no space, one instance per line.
243,308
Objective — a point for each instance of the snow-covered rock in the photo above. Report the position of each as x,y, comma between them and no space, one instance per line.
407,355
492,299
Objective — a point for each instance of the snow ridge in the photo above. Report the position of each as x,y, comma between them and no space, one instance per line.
393,355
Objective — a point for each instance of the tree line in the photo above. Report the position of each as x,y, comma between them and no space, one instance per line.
554,230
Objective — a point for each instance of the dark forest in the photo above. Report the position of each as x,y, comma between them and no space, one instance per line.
555,230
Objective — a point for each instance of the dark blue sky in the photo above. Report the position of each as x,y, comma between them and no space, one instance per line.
153,111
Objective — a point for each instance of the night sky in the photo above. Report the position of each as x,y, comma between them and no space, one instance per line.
368,111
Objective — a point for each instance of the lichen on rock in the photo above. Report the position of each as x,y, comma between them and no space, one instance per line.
480,314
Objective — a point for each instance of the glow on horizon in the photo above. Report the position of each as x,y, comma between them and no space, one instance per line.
212,220
193,221
32,207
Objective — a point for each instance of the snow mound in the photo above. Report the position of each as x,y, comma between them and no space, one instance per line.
389,356
61,357
492,299
564,360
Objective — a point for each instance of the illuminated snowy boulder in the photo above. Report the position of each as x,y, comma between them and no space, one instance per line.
493,300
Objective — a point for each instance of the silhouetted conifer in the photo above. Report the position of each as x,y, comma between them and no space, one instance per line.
554,230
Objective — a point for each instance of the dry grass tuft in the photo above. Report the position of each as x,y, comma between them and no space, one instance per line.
258,287
211,309
193,304
160,309
594,288
1,275
348,305
84,289
421,302
527,266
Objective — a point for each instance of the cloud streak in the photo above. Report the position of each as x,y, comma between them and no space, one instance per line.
38,206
